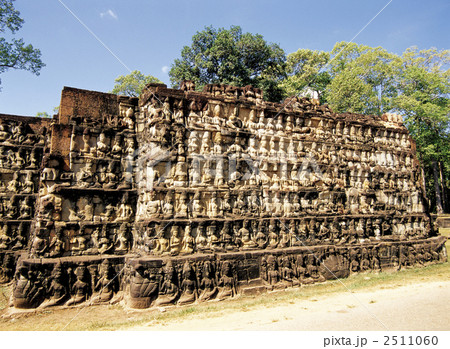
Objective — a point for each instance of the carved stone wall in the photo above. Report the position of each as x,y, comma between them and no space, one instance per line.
22,146
182,196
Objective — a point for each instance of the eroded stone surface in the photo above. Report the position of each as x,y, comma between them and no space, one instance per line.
183,196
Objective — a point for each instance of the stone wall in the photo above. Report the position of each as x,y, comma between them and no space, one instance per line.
182,196
22,146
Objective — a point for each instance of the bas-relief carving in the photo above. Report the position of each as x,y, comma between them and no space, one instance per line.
22,142
217,173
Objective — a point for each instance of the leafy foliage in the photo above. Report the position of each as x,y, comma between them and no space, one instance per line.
16,54
423,100
363,79
43,114
133,83
304,72
231,57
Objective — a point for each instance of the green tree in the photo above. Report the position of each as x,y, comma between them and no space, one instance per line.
304,72
43,114
231,57
363,79
133,83
16,54
423,100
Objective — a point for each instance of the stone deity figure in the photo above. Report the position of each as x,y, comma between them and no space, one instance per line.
122,242
168,291
201,242
28,185
104,285
219,178
207,284
116,149
261,237
21,238
167,205
4,132
197,207
273,237
247,241
182,207
57,245
194,172
86,175
188,285
86,149
235,150
39,245
59,292
193,142
226,284
102,146
15,185
263,150
81,288
5,237
187,245
175,240
124,212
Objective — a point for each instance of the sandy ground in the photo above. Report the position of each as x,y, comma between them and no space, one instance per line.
422,306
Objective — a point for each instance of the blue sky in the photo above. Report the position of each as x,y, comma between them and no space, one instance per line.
148,35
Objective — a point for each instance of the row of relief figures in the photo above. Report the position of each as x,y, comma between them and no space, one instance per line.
102,144
92,173
173,238
238,145
260,122
18,133
15,158
184,282
198,172
14,236
56,239
158,204
19,182
123,121
279,176
51,285
103,207
17,207
208,143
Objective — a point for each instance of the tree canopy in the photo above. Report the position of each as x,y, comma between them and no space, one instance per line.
363,78
303,70
133,83
15,54
229,56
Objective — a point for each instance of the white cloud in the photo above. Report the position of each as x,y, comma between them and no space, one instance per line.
109,13
165,69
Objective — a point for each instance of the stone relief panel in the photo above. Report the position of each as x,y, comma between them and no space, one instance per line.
185,196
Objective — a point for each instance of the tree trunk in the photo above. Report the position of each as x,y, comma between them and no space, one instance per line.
443,188
437,188
423,183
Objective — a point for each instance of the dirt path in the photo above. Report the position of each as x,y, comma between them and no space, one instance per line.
421,306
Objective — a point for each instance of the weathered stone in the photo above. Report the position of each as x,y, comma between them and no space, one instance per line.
183,196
